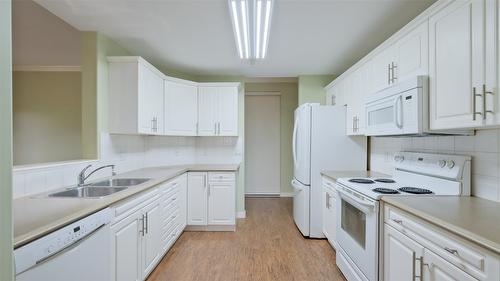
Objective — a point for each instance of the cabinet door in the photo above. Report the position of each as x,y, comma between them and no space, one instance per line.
380,69
181,109
151,242
402,256
127,248
438,269
456,65
227,114
221,203
183,189
412,53
197,198
326,212
207,111
492,79
332,220
150,102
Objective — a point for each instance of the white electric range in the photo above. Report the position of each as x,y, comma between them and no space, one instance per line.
357,210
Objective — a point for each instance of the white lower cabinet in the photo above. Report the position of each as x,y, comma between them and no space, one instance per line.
145,227
414,249
329,216
211,200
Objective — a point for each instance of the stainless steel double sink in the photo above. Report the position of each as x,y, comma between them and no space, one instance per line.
99,189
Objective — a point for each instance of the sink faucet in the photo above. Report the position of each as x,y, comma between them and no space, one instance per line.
82,177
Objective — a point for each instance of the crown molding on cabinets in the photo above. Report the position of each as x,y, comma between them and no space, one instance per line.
424,16
48,68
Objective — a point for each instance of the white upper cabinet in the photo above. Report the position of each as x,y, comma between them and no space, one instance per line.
181,108
412,54
457,65
218,109
492,79
135,97
382,65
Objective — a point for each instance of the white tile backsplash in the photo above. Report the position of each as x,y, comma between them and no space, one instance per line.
484,147
128,153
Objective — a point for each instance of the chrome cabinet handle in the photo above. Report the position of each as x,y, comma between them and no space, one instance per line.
389,74
485,92
451,251
394,78
147,223
397,221
142,225
215,128
474,96
327,198
421,260
218,128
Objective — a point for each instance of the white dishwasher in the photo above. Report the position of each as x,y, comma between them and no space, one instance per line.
80,251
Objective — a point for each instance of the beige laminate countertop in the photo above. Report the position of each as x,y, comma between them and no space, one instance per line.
334,175
37,215
472,218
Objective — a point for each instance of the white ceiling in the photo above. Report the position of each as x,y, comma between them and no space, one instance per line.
195,36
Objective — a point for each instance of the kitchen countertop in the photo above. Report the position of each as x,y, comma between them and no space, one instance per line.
334,175
472,218
35,216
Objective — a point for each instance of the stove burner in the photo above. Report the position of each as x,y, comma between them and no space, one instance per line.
385,190
361,181
385,180
415,190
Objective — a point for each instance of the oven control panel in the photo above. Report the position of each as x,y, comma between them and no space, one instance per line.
44,248
442,165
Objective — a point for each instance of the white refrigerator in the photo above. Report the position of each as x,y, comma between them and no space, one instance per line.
320,144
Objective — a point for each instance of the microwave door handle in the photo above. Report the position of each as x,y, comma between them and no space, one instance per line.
398,112
400,104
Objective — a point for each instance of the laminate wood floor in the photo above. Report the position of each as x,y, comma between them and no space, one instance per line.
265,246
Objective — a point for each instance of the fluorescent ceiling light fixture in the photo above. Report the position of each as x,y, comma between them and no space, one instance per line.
251,24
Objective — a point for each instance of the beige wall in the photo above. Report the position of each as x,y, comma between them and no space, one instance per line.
289,101
6,263
47,116
41,38
311,88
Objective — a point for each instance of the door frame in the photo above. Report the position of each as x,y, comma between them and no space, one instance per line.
266,93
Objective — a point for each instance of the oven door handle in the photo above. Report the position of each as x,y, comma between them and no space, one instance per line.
365,207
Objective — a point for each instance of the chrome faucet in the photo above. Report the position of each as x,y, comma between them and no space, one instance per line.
82,177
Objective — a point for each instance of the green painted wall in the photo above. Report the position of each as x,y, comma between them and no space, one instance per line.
6,264
288,103
96,49
311,88
240,184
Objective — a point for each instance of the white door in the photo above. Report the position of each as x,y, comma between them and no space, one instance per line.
301,144
228,111
412,53
197,198
262,144
301,208
126,247
150,102
456,73
151,242
402,256
221,203
181,109
207,111
438,269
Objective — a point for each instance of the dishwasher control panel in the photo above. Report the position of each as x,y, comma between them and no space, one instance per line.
50,245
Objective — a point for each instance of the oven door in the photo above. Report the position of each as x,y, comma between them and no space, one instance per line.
385,116
357,231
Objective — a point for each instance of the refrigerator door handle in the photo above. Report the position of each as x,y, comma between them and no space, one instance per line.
294,143
297,188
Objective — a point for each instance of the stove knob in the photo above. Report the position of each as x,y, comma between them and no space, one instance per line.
450,164
442,163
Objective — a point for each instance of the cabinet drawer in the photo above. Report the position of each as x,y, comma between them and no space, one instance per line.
123,209
470,258
219,176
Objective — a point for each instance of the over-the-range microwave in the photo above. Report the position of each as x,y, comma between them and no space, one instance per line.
402,110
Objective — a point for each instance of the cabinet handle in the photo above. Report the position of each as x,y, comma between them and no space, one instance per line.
218,128
389,74
147,223
474,96
421,260
215,128
327,199
397,221
451,251
485,92
142,225
394,78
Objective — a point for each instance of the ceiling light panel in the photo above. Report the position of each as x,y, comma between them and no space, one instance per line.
251,24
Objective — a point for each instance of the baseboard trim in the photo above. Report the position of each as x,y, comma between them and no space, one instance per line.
210,228
241,215
286,194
